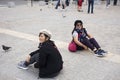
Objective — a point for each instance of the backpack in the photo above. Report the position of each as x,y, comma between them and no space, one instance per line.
72,47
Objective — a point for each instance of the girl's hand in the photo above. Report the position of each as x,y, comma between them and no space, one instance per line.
85,47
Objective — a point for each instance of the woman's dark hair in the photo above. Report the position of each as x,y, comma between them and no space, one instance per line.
48,41
76,22
46,36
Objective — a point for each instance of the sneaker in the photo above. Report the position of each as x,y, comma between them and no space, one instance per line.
103,52
22,65
99,54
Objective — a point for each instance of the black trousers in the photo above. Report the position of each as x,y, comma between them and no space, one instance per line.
90,43
90,4
115,2
34,58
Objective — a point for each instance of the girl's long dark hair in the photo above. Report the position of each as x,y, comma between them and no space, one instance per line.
76,22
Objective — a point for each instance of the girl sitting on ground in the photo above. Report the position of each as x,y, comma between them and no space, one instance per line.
83,40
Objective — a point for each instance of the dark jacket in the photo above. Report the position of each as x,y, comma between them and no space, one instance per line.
82,33
50,59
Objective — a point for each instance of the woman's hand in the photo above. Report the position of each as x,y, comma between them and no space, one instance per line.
79,43
85,47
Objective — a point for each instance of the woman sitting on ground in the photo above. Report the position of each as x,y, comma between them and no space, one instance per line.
47,58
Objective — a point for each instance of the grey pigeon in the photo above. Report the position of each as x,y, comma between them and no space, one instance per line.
5,48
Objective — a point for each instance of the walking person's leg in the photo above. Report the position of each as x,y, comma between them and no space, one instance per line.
67,2
63,7
107,3
80,6
88,6
58,3
92,6
115,2
46,2
64,4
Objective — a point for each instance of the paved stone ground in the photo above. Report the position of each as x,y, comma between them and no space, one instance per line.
20,26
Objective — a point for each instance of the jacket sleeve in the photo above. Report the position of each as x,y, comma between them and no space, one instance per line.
42,58
34,52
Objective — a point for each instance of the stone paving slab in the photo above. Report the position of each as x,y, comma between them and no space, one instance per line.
82,65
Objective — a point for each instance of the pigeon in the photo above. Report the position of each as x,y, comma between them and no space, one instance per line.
5,48
40,9
64,16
